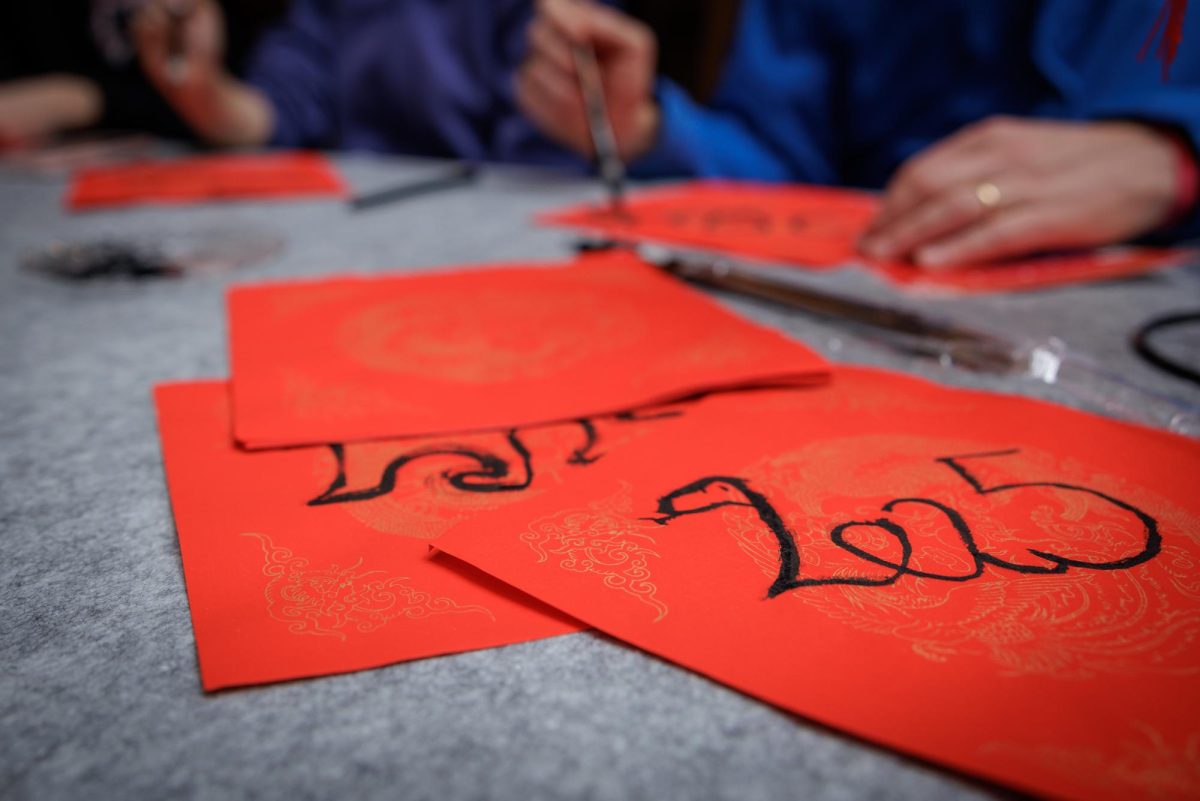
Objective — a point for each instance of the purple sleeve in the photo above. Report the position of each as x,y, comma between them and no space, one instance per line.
518,140
293,66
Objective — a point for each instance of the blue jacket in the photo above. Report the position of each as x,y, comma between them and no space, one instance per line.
424,77
843,91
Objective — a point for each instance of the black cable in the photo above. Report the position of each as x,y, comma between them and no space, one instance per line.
1144,348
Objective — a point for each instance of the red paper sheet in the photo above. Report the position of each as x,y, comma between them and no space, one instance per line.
1042,272
367,358
812,226
818,227
310,561
996,584
200,179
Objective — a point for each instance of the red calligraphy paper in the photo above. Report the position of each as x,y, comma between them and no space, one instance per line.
366,358
812,226
200,179
311,561
1040,272
818,227
996,584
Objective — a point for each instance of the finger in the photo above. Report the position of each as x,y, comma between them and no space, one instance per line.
554,108
534,105
545,43
525,96
930,219
611,30
557,88
150,37
939,216
150,24
933,173
567,18
1020,231
586,22
203,33
181,8
970,153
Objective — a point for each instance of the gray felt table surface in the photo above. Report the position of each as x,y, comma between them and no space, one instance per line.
99,692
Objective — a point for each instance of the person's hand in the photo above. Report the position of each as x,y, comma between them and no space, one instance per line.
33,109
181,44
1010,187
548,86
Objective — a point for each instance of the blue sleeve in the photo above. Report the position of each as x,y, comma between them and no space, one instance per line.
293,66
771,117
1089,52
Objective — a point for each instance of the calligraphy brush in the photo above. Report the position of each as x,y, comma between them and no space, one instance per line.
612,170
1051,362
908,331
458,175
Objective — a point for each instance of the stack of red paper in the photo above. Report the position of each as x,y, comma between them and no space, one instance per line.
996,584
313,557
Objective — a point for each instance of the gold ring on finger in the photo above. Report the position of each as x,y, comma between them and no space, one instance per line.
988,195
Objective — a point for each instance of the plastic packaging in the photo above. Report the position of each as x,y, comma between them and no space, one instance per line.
1053,363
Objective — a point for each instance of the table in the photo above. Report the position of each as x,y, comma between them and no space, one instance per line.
99,694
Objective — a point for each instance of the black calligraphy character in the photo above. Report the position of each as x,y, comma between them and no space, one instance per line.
750,217
491,475
584,455
489,471
713,492
1151,545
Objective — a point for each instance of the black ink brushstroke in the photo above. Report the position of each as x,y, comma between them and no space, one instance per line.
488,478
748,216
727,490
584,455
789,556
493,470
1153,537
722,218
837,536
798,223
643,415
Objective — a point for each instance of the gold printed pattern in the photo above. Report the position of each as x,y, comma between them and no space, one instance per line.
495,335
603,541
1071,626
335,600
312,400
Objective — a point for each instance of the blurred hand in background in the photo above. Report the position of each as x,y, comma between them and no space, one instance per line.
181,47
1006,187
33,109
181,43
548,89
